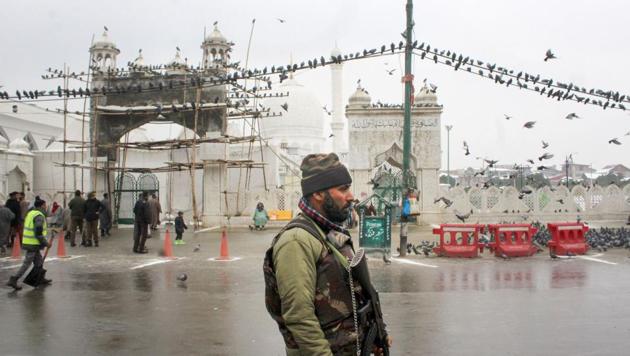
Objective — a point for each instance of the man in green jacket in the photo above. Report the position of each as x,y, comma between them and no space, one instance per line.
308,290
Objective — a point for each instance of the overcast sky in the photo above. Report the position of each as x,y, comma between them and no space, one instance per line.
590,39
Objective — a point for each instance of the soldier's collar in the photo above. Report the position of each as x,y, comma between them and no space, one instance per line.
338,239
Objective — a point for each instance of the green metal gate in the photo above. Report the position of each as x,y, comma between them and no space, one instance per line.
128,190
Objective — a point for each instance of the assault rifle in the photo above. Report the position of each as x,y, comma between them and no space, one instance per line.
371,313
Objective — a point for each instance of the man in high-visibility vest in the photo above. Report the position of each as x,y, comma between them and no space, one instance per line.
33,240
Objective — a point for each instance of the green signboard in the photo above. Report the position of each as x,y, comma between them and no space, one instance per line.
375,231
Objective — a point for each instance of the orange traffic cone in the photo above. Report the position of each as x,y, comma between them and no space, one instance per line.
225,255
61,246
16,253
168,247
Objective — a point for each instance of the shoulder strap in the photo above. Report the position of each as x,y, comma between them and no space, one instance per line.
305,224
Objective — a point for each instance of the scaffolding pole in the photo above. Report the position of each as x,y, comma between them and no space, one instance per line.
193,172
65,130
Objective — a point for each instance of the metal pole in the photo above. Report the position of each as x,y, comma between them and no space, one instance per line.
566,168
65,131
407,79
448,154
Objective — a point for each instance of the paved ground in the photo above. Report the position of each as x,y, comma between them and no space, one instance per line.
108,301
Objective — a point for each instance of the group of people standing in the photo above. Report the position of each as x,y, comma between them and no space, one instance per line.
12,216
86,216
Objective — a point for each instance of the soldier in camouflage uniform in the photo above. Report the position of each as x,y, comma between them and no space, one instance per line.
308,290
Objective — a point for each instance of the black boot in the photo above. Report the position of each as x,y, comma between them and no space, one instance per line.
13,283
46,281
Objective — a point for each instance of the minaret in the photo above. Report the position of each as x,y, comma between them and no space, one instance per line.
216,50
103,53
338,123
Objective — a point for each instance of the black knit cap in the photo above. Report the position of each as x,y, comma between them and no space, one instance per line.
321,171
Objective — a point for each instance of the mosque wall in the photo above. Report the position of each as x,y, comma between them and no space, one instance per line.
17,171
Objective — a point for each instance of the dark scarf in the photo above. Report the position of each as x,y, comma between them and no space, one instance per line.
322,221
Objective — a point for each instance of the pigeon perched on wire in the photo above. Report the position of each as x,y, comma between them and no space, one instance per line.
507,117
572,116
466,148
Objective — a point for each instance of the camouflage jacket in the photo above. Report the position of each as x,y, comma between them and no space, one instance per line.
307,291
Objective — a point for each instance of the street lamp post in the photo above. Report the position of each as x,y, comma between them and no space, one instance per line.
448,154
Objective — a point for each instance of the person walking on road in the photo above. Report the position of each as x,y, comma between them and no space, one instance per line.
319,309
141,223
33,240
6,217
180,226
92,207
77,209
105,216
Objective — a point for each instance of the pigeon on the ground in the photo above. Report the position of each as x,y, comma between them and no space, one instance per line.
182,277
197,248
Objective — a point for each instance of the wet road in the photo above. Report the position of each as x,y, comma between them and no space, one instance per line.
106,301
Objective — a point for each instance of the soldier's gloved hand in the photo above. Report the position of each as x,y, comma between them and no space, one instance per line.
379,351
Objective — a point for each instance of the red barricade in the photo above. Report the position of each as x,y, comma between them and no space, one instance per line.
512,240
468,244
567,238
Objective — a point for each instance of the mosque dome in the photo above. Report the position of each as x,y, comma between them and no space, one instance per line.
425,97
104,42
176,65
139,61
359,99
19,145
216,36
302,125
